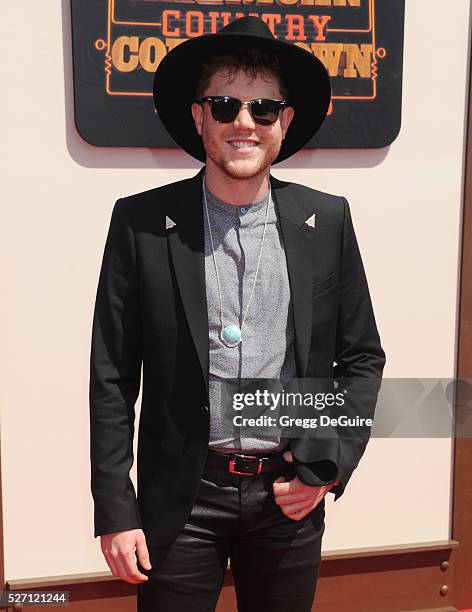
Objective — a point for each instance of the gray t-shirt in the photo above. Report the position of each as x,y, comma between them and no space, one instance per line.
267,349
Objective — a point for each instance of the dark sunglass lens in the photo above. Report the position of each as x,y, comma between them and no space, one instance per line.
265,112
224,110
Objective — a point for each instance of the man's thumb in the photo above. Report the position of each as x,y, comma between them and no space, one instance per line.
142,553
288,456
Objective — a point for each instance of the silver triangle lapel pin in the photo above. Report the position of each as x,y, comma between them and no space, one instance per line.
169,223
311,220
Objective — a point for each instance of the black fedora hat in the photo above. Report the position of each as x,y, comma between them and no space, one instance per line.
178,73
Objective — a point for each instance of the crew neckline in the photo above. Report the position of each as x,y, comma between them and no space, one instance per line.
216,202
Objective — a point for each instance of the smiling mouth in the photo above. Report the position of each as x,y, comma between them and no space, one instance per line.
242,144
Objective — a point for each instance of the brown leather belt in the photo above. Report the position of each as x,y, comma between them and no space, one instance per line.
245,465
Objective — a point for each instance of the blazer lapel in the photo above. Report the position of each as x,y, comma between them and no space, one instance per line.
186,246
299,252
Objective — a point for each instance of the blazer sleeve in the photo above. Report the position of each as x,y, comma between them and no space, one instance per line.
115,377
359,360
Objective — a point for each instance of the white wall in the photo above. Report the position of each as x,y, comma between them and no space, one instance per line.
56,200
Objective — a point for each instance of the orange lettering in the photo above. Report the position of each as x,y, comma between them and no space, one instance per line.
166,15
295,27
188,23
320,22
271,19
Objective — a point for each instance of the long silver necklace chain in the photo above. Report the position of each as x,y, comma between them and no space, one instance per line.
231,335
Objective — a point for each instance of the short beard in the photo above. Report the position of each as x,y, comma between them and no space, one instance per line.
242,174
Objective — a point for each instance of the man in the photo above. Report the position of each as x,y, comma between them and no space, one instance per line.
226,276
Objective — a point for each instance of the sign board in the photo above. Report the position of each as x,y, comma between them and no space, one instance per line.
118,44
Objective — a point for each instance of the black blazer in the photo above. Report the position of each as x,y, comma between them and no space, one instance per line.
151,311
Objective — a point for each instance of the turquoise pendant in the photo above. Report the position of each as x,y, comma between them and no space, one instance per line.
231,335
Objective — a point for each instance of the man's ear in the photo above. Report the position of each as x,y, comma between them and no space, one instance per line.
197,114
286,119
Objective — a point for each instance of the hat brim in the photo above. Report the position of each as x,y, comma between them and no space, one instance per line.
179,71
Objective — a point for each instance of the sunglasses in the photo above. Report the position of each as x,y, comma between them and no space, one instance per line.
225,109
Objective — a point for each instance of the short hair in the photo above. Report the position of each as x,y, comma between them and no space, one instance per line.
250,60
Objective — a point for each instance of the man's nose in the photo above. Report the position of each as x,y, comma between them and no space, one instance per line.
244,118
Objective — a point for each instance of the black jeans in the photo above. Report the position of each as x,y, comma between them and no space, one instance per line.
275,560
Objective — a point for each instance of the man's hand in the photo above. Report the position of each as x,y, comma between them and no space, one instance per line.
295,498
118,549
